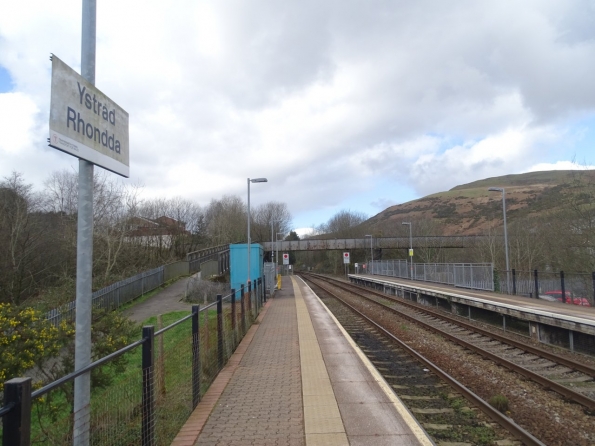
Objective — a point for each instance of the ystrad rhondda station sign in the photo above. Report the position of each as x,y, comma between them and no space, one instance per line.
86,123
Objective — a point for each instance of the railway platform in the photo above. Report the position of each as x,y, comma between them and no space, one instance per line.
298,379
567,326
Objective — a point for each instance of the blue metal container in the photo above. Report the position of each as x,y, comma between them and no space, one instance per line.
238,264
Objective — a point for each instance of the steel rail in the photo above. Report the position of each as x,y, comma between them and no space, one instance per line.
545,382
583,368
517,431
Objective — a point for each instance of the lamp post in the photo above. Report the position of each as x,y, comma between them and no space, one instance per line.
273,238
410,248
371,253
254,180
277,246
501,189
273,260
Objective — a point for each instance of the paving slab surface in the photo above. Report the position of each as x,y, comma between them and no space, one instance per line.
297,379
262,404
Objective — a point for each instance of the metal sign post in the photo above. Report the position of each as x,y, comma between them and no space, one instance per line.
346,262
84,251
87,124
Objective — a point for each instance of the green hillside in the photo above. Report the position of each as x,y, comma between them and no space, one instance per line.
469,209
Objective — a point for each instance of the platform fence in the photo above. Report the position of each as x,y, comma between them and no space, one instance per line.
579,288
479,276
150,387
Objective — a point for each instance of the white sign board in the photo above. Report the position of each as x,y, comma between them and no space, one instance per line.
346,258
86,123
285,259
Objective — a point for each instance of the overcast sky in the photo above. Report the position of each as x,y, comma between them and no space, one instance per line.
344,104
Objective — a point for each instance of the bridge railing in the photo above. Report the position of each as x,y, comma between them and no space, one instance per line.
156,382
377,243
478,276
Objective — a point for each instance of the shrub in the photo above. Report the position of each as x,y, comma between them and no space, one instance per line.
27,340
499,402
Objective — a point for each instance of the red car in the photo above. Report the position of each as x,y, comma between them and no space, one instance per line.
569,299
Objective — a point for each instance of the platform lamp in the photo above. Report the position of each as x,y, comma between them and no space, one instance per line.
501,189
410,248
253,180
371,253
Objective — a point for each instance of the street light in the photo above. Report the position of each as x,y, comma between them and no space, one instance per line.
371,253
254,180
410,248
277,246
501,189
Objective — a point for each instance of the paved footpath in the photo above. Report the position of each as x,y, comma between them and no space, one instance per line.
251,411
167,300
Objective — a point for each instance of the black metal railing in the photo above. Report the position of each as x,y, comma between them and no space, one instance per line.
146,415
574,288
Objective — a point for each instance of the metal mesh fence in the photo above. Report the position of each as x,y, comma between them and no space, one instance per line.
478,276
173,381
115,413
578,287
204,292
269,274
130,400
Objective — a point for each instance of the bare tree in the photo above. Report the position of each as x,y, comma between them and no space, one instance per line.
226,220
20,239
343,224
428,228
272,214
120,204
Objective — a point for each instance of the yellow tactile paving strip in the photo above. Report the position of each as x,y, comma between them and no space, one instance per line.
416,429
322,419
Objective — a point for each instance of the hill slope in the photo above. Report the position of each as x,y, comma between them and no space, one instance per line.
470,208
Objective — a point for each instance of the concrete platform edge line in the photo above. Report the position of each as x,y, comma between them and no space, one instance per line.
401,409
190,431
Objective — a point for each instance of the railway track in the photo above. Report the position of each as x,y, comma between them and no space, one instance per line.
571,379
433,402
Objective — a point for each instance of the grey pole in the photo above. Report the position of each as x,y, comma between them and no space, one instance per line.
410,249
501,189
255,180
277,245
371,254
248,230
84,250
272,257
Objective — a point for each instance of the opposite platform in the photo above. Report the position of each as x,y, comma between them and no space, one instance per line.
298,379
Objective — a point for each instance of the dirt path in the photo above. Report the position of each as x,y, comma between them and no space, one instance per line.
166,300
